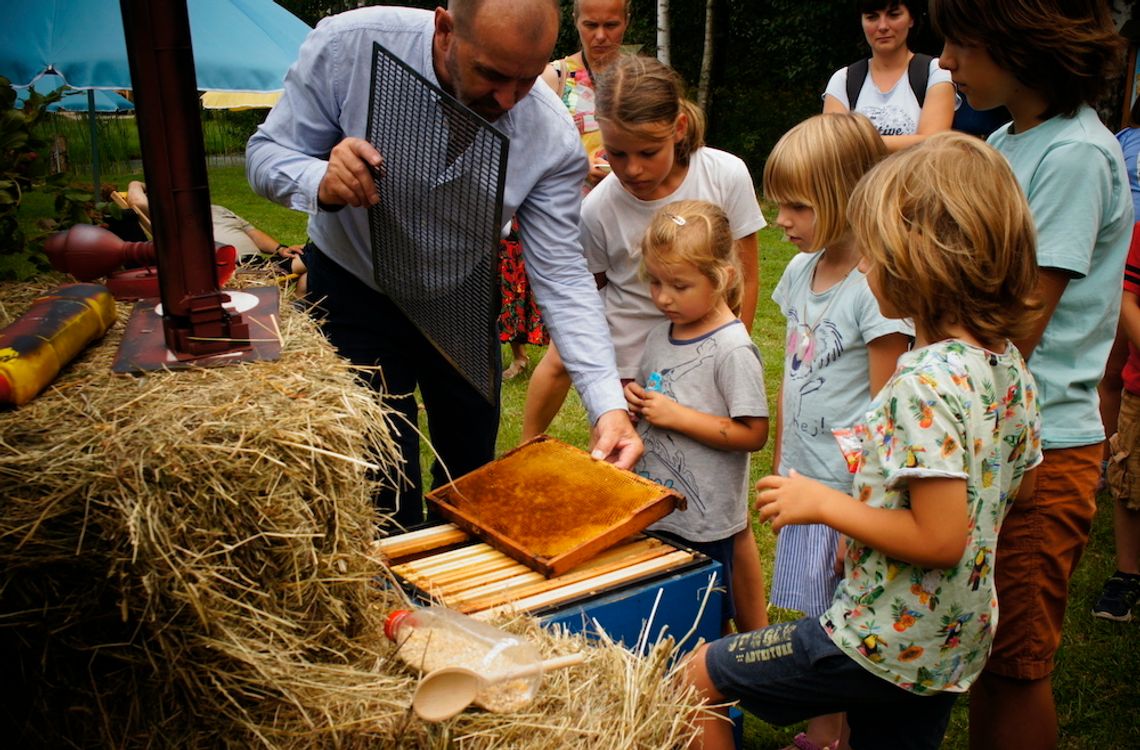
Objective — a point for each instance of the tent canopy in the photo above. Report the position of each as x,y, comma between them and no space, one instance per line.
239,45
75,100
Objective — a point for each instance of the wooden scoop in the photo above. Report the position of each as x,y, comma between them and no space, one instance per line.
445,692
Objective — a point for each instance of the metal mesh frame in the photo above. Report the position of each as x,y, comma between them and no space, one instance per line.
435,231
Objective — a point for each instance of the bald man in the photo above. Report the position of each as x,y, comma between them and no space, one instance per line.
310,155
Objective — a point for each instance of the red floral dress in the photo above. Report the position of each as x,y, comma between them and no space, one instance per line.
520,319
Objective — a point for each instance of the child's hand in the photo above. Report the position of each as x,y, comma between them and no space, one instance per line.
634,393
840,555
790,500
655,407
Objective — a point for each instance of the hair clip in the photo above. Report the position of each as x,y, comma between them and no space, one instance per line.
678,220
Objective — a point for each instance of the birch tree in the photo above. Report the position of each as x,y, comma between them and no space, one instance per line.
704,86
663,31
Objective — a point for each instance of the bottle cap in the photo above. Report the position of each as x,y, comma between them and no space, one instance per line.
392,624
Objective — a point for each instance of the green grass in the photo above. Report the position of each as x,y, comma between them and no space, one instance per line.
1098,703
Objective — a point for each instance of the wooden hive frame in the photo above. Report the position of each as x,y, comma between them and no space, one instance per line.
552,506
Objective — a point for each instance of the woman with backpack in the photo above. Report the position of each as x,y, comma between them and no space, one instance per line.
906,95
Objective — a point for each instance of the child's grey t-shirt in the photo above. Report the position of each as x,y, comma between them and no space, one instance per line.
719,373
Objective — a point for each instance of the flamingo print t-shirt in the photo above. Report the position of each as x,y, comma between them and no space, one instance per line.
719,373
951,410
826,383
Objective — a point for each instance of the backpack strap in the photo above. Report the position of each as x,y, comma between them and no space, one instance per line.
856,74
919,73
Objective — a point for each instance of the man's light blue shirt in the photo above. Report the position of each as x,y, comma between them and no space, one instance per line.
326,100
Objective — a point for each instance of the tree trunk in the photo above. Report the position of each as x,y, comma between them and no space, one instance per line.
705,84
663,31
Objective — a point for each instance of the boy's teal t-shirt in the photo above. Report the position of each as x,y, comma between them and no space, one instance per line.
1073,174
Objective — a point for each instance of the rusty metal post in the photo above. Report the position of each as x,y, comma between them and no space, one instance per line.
170,133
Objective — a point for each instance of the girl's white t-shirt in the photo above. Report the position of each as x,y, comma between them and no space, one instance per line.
894,112
613,222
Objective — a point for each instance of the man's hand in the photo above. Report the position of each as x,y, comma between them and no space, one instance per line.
615,440
349,178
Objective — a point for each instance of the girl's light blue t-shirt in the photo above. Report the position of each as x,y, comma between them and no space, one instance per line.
827,385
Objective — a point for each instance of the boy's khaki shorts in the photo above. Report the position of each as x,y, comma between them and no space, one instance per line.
1124,456
1039,546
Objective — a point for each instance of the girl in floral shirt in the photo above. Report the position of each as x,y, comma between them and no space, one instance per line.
947,239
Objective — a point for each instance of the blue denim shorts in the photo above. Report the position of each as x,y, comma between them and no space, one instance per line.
792,671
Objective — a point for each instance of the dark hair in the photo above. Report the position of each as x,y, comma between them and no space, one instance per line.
1134,114
1066,50
870,6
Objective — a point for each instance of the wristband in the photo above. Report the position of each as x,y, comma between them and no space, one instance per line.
280,245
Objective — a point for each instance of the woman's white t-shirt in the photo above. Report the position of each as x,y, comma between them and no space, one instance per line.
894,112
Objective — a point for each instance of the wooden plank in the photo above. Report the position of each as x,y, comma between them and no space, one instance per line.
488,571
496,588
460,579
589,586
414,542
460,575
582,573
454,560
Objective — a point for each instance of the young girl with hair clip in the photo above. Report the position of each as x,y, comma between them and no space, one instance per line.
839,350
946,239
1048,62
699,396
654,139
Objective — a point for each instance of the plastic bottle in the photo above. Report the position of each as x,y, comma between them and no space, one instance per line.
431,638
56,328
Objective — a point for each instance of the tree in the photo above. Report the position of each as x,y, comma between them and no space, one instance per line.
663,42
706,57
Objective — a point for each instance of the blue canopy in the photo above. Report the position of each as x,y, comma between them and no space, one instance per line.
239,45
75,100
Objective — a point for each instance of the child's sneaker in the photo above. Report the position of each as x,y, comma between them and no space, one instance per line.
1118,597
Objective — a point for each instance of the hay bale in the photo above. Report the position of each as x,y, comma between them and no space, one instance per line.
186,563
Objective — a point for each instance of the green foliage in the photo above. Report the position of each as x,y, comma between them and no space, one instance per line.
23,166
226,132
772,63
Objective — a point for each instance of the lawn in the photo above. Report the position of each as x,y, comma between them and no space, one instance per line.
1098,704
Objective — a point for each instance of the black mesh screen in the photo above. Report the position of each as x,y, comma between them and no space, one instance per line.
435,231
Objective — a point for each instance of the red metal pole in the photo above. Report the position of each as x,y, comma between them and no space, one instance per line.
170,133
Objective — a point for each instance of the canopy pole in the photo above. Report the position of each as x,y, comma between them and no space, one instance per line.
94,127
195,322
